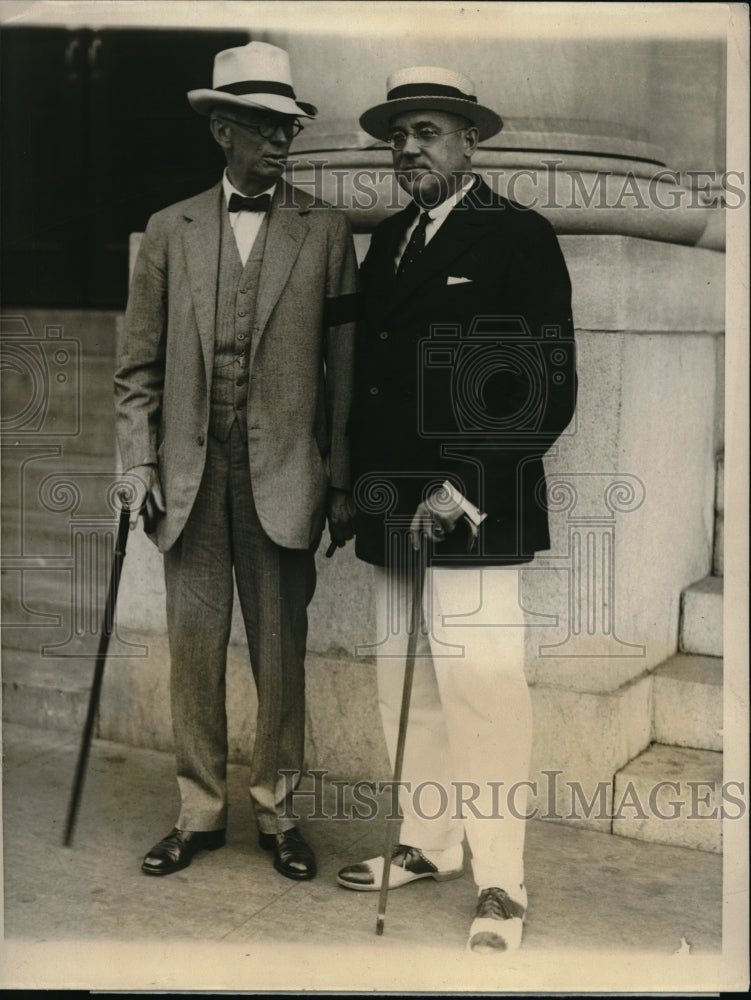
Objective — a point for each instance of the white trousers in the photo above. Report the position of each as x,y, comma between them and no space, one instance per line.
470,723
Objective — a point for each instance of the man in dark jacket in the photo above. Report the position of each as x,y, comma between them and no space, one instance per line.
465,377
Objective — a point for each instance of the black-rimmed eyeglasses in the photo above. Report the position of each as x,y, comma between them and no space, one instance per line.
267,130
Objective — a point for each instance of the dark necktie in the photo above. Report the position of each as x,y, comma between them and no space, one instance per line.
239,204
415,246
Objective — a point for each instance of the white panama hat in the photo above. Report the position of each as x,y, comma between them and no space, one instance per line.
431,88
256,75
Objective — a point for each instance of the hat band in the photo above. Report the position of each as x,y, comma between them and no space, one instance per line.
428,90
258,87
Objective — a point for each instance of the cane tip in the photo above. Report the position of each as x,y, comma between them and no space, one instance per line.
379,925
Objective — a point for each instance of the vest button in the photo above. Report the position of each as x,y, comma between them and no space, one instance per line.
244,290
241,336
242,312
374,390
383,335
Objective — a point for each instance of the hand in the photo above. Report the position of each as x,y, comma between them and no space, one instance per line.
437,517
147,497
341,513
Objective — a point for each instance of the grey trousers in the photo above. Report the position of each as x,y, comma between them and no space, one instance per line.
274,585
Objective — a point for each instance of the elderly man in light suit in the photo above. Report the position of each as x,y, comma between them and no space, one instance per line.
232,395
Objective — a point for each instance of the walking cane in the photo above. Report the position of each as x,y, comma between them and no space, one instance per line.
107,626
409,671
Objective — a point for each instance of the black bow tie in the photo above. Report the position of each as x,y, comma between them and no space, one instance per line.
239,204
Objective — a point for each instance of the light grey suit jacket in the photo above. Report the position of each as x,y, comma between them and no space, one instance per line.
301,360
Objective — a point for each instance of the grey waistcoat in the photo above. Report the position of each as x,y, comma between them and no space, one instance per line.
236,297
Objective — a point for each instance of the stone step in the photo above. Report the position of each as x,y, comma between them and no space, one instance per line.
45,693
687,699
718,563
52,692
671,795
701,628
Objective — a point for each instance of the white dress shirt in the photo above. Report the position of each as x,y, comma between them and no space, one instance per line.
438,216
245,225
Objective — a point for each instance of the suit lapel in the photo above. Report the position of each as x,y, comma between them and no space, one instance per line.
381,283
201,245
287,229
461,228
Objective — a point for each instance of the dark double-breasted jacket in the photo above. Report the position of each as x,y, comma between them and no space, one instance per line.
466,371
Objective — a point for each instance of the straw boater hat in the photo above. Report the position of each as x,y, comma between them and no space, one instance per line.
256,75
430,88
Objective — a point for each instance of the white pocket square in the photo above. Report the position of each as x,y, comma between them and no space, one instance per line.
456,281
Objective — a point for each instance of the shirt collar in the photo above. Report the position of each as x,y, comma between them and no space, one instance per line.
230,189
439,213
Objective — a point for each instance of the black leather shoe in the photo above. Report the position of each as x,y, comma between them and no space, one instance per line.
177,849
293,857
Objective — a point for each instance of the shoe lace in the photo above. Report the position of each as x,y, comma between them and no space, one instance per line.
403,855
172,844
497,903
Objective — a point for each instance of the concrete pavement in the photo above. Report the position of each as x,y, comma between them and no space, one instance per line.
86,916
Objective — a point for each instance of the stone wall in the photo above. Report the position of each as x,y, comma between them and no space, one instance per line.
632,481
632,486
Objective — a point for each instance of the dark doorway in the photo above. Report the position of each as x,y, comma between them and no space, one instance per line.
97,134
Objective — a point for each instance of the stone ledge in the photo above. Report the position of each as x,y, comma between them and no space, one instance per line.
696,800
702,617
586,736
45,694
669,289
688,708
581,739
